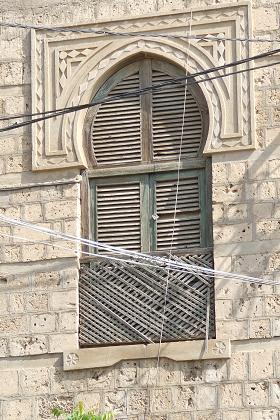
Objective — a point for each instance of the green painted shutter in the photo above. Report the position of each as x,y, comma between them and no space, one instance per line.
187,222
117,213
167,121
116,129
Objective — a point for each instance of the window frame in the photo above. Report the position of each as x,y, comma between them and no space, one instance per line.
146,167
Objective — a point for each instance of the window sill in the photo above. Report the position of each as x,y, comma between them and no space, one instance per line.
179,351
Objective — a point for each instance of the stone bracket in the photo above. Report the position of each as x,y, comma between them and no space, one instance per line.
179,351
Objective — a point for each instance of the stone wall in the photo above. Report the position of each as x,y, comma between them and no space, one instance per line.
39,283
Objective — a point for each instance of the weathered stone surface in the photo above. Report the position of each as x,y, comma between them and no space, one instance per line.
10,383
35,381
36,302
192,372
215,370
206,397
184,397
256,394
43,323
127,374
238,366
116,401
261,328
137,401
39,309
28,345
231,395
17,409
161,400
66,299
47,404
261,365
236,415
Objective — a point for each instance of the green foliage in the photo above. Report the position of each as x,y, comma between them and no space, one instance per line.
79,413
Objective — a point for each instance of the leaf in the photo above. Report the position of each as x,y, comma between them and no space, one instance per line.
81,407
57,412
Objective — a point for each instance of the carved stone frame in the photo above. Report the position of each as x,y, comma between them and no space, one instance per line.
69,68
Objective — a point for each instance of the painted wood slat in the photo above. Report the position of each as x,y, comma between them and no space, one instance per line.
167,121
118,215
186,225
116,129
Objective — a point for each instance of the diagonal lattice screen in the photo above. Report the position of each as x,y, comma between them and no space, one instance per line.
123,303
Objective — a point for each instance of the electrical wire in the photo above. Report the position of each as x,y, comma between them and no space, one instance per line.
215,274
134,34
94,103
160,262
62,111
176,203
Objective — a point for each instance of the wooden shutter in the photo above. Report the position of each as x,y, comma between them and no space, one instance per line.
117,214
187,226
167,121
115,132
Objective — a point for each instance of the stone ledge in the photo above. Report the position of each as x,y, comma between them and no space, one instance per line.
178,351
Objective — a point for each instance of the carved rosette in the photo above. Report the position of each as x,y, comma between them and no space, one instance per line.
68,70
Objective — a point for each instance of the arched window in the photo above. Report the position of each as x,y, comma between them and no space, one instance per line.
134,146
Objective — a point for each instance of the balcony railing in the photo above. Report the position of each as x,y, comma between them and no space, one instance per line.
124,303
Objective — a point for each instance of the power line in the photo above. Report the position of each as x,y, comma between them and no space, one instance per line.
175,80
107,32
175,206
158,262
67,110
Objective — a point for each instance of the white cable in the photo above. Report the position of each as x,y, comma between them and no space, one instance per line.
159,261
97,256
245,279
176,201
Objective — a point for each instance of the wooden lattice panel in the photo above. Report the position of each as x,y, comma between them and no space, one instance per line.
123,303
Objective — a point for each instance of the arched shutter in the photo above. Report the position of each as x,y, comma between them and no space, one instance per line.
167,119
115,132
148,128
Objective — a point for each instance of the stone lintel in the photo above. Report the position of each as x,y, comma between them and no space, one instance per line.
178,351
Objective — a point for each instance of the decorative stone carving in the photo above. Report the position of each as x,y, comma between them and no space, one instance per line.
178,351
68,69
72,359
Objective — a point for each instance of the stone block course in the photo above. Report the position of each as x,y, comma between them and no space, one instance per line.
11,73
28,345
261,365
238,366
39,309
43,323
256,394
60,210
231,395
261,328
34,381
137,401
17,409
10,379
206,397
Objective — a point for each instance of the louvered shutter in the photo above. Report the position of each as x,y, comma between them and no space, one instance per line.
167,121
187,222
115,132
117,214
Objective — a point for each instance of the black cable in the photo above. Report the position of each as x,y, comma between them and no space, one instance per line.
54,114
77,108
148,88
